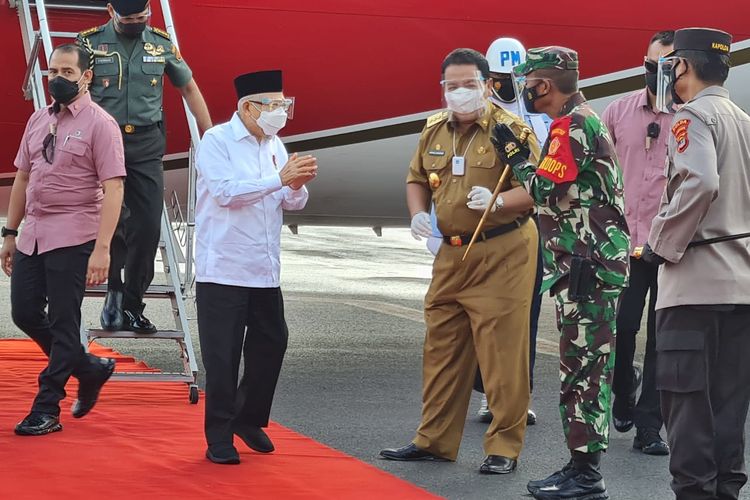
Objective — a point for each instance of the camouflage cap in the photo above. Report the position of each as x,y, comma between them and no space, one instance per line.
548,58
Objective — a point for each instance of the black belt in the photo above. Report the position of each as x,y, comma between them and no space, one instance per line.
459,241
137,129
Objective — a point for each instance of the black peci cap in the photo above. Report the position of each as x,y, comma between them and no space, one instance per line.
702,39
129,7
258,82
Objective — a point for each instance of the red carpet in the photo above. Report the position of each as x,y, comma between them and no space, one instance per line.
144,441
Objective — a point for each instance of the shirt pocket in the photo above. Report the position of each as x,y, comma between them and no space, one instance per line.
436,169
106,80
74,155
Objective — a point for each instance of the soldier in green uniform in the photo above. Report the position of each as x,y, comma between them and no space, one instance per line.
578,188
129,63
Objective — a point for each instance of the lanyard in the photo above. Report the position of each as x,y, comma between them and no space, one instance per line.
467,146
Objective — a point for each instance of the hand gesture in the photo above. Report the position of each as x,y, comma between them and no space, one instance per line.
298,171
98,267
421,226
510,149
7,253
479,198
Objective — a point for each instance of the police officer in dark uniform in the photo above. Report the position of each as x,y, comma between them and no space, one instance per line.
130,61
701,237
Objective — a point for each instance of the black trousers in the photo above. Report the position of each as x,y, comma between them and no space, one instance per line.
136,240
55,280
647,413
704,378
229,316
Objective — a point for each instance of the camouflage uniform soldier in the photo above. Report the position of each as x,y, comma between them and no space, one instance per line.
578,188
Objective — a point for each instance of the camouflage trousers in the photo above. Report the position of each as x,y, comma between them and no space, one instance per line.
587,362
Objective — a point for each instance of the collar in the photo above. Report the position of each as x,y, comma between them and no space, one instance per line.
716,90
239,130
482,120
75,107
643,98
574,100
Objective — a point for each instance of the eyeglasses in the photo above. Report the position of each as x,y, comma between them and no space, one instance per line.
268,104
48,148
133,18
651,66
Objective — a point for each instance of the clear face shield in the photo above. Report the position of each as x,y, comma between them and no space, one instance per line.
664,82
464,95
269,105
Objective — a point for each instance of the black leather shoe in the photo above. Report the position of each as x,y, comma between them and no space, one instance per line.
579,486
112,317
138,323
255,438
88,390
552,479
530,417
623,419
410,453
650,442
495,464
38,424
224,454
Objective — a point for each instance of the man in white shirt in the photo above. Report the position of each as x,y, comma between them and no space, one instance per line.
245,181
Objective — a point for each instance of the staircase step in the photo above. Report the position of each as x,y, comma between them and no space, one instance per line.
152,377
95,333
153,292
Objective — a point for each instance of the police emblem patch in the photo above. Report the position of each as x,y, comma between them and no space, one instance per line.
680,133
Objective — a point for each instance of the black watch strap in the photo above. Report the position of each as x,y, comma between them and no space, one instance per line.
9,232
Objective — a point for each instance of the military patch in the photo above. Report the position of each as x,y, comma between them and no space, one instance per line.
105,82
436,118
161,33
104,60
176,53
559,165
154,59
91,31
103,47
680,133
436,153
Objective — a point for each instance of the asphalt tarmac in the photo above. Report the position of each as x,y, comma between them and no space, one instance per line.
352,374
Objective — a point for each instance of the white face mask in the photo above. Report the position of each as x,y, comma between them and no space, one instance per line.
271,122
463,100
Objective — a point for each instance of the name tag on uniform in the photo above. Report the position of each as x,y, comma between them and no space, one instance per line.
104,60
154,59
458,165
436,153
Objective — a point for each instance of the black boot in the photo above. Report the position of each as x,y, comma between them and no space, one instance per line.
583,482
112,317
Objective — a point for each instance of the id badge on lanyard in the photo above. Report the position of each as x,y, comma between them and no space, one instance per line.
458,165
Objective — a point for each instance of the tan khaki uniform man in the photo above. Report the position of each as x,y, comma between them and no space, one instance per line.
476,310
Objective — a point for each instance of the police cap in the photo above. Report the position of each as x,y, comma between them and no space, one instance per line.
129,7
258,82
552,57
702,39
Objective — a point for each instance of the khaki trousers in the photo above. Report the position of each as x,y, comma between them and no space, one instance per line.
477,311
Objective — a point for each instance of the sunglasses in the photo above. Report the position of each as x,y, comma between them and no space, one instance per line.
48,148
651,66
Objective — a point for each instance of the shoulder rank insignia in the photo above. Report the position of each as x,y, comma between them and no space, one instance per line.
161,33
436,118
91,31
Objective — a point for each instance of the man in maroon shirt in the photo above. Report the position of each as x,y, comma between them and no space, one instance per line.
640,134
69,190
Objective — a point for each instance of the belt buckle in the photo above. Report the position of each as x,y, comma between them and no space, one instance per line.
129,129
456,241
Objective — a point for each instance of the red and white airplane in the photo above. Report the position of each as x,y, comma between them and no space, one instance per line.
365,74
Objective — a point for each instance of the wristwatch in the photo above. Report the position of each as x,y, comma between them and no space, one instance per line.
499,203
8,232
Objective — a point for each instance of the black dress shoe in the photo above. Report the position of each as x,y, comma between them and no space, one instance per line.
38,424
410,453
138,323
224,454
622,419
496,464
580,486
88,390
530,417
255,438
650,442
112,317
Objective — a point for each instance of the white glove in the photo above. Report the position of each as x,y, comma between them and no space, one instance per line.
480,197
421,225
